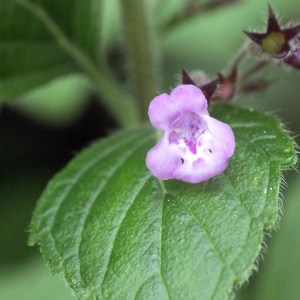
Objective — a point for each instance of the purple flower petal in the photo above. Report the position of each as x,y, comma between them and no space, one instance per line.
194,147
203,168
222,133
166,108
189,98
163,159
162,111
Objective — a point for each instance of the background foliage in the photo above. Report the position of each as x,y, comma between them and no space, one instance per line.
40,129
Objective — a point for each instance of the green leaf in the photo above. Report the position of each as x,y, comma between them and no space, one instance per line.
74,43
86,21
58,103
26,65
30,55
115,232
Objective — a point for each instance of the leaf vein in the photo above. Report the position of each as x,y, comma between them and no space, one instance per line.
216,284
236,193
246,125
79,175
143,283
209,238
145,179
88,209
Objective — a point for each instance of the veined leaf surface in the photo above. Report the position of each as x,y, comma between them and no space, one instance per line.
115,232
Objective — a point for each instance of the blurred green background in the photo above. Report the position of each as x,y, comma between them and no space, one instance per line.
44,128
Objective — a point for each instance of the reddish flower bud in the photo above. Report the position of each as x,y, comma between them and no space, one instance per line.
227,88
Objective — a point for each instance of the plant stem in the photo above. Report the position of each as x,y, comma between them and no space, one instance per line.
256,67
111,93
242,52
141,52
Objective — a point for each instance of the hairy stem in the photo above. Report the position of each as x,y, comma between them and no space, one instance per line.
241,54
141,52
255,68
112,94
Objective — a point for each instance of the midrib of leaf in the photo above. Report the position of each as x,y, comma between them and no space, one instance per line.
204,230
206,233
158,272
210,241
126,210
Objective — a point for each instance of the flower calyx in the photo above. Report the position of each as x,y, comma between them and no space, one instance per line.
208,88
275,41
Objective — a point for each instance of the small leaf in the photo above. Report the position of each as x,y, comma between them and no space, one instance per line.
115,232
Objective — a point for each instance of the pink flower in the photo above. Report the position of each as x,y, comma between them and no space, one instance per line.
194,146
